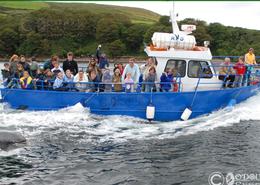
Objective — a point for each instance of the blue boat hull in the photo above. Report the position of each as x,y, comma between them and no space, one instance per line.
168,106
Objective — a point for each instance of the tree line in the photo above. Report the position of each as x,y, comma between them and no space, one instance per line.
56,31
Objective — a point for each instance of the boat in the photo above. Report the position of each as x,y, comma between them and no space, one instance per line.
199,91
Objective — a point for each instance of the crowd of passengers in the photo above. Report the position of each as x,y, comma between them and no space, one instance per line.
28,74
239,74
20,73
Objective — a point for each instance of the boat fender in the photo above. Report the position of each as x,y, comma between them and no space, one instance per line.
128,87
150,111
186,114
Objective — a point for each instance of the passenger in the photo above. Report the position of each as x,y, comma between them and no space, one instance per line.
56,69
133,69
227,73
175,84
26,81
103,61
194,70
165,82
48,82
107,80
240,72
34,67
6,74
59,83
116,79
39,79
140,86
13,63
94,78
146,68
250,57
70,64
170,74
150,79
68,80
25,65
120,67
93,66
19,72
80,79
249,61
129,83
48,64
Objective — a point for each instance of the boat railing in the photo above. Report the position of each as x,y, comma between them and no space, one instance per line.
100,86
174,86
251,77
231,56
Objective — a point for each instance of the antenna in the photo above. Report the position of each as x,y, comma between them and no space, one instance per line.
175,28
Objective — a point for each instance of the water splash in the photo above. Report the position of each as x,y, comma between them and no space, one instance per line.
77,119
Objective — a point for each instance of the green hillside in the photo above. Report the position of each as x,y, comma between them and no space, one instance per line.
26,5
136,15
46,28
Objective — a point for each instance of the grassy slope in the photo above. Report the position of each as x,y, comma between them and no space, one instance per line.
27,5
137,15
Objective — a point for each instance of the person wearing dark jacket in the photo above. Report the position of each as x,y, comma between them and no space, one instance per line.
70,64
95,79
150,79
6,74
25,65
103,62
165,82
48,64
34,67
39,79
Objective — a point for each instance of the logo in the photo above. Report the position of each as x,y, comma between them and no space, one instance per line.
216,178
230,178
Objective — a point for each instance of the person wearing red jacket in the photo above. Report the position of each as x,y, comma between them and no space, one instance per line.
240,72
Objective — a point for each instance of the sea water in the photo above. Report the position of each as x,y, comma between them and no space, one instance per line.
73,146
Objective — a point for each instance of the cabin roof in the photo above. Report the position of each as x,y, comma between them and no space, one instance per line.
181,54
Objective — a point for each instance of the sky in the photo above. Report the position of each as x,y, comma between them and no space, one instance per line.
229,13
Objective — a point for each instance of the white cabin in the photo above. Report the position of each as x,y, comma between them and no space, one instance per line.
189,65
178,50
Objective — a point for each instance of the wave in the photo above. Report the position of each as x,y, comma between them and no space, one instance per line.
77,119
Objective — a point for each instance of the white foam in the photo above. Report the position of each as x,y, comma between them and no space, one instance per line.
77,119
10,152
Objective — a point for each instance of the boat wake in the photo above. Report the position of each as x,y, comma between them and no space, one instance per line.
77,122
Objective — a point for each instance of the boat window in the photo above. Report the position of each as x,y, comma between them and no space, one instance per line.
199,68
179,67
